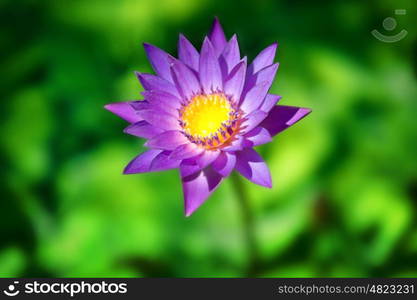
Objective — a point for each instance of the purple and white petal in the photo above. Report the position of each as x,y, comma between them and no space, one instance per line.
140,105
252,120
234,83
142,162
207,157
187,53
269,102
124,110
161,98
185,79
251,165
267,74
209,71
155,106
235,145
159,61
163,161
256,137
186,151
151,161
168,140
254,98
231,55
263,59
217,37
198,187
160,119
189,167
281,117
225,163
155,83
143,129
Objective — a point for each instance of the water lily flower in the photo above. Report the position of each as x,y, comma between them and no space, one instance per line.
203,113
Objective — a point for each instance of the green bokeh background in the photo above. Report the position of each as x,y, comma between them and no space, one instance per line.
344,201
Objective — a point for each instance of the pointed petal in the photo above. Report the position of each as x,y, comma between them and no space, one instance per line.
160,98
251,165
142,162
139,105
151,161
159,107
225,163
163,162
267,74
168,140
235,145
269,102
234,84
281,117
187,53
264,59
256,137
124,110
217,37
231,54
189,167
160,119
198,187
253,120
155,83
159,61
193,164
207,157
185,79
143,129
156,106
210,74
186,151
255,97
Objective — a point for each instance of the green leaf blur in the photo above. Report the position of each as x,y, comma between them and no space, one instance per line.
344,200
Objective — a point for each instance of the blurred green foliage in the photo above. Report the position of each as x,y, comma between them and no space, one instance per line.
344,201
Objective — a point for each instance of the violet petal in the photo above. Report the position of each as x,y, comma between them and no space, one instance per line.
186,151
251,165
225,163
255,97
159,61
155,83
198,187
168,140
160,119
185,79
217,37
209,71
234,84
281,117
187,53
269,102
151,161
263,59
143,129
257,136
124,110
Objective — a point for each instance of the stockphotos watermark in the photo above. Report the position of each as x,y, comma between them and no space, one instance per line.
64,288
390,24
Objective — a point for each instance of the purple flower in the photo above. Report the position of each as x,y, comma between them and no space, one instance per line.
204,112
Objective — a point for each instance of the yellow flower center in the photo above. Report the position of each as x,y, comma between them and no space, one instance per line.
208,120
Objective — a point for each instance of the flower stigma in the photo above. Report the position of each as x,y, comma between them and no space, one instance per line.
209,120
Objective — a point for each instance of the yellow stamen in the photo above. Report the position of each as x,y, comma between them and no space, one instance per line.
207,119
